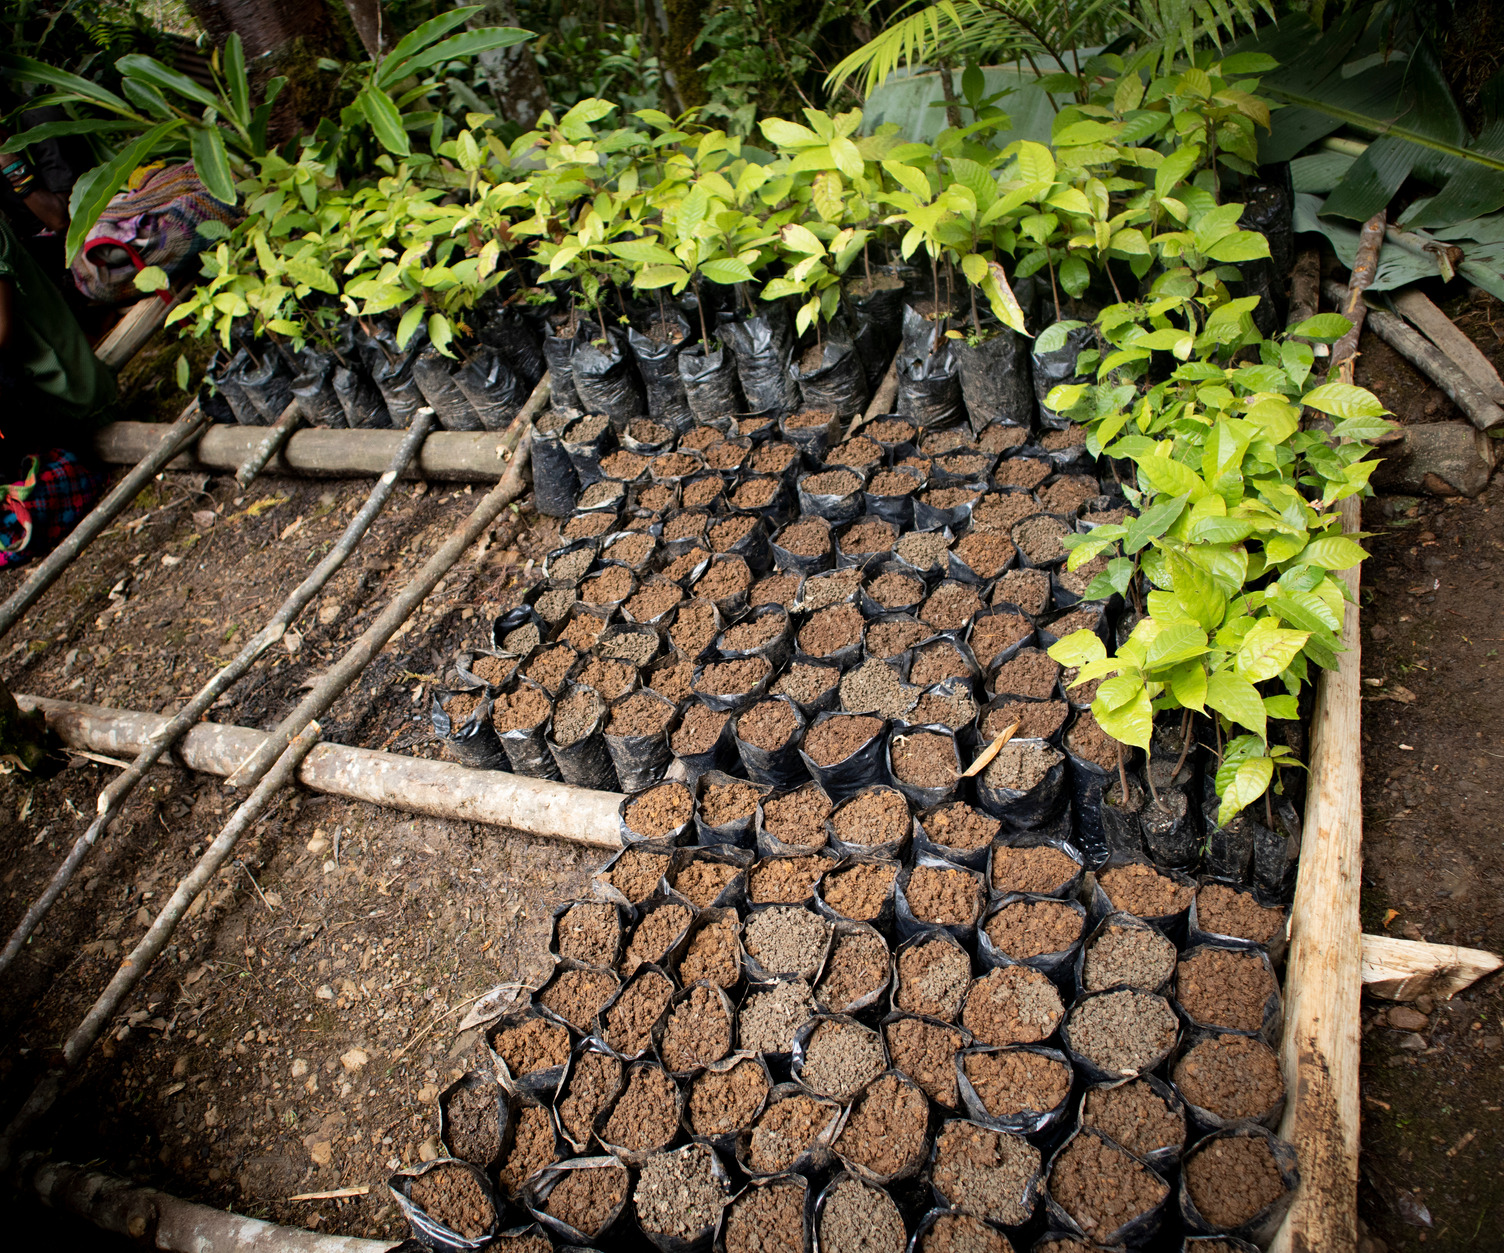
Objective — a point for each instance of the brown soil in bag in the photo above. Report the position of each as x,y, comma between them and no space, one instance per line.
533,1147
867,535
950,606
699,730
732,678
875,687
932,978
1133,1115
1080,693
859,890
1123,1031
961,1233
768,725
1066,495
723,579
575,716
1232,1179
1033,674
755,494
858,451
669,465
1036,720
764,1220
773,458
680,1194
671,679
685,526
647,1112
623,464
592,1084
797,818
955,710
808,419
697,1032
1028,589
996,632
1140,890
1222,910
637,871
890,430
925,759
858,1218
785,880
986,552
1028,472
832,483
453,1196
926,1052
876,817
694,628
770,1018
460,706
724,535
957,825
934,663
1223,988
654,814
971,466
1080,579
829,588
700,882
1102,1187
721,803
890,483
1086,739
553,605
702,492
753,633
885,1130
858,966
725,456
1016,1082
473,1116
985,1172
494,670
532,1045
1039,539
523,710
774,589
1233,1076
653,600
583,631
1012,1005
577,996
549,666
612,584
630,550
1081,620
1040,870
712,955
1137,957
945,897
587,526
1001,511
700,438
841,1058
837,738
609,677
1021,766
723,1101
896,591
571,567
785,939
949,497
640,714
922,549
809,537
589,933
585,1199
806,683
629,1023
832,628
785,1130
888,639
657,930
1027,929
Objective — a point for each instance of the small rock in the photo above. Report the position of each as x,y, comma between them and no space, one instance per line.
354,1059
292,641
299,1068
330,613
429,1149
325,992
203,518
319,843
1404,1018
211,1116
427,1092
1426,1004
322,1151
1413,1043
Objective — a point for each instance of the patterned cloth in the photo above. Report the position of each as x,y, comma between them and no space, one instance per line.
38,512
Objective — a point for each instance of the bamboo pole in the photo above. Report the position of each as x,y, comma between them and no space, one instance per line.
275,764
416,785
114,796
276,439
172,441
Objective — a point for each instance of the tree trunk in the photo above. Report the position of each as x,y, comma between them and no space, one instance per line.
680,60
511,72
375,36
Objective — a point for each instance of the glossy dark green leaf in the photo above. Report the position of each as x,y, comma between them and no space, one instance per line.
212,163
237,85
150,70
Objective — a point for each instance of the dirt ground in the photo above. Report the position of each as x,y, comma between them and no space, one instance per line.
294,1038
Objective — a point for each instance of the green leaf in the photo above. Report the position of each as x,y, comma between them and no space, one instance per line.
1036,163
1267,649
1172,477
460,47
152,278
1152,523
1175,168
1077,648
441,333
150,70
1343,400
1333,552
182,372
27,70
1237,700
652,276
726,271
93,191
1324,326
236,83
1238,247
412,319
385,120
1249,780
1175,642
1118,691
1188,685
212,164
1363,428
1130,723
1285,708
392,67
58,130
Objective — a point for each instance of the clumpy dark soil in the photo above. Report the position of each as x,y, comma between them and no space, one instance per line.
697,1032
986,552
961,1233
722,1101
585,1199
786,939
1038,870
577,996
453,1196
700,882
774,589
712,955
654,934
932,979
950,606
925,759
590,933
532,1045
1232,1076
647,1112
773,458
1032,674
1038,538
474,1126
934,663
858,966
944,896
830,629
890,483
1221,910
549,666
785,880
721,803
1123,1031
808,537
926,1052
1133,1115
764,1219
593,1084
630,1021
638,870
1232,1178
461,706
1016,1081
895,590
576,716
699,730
1141,890
1137,957
753,633
959,826
1101,1186
653,600
654,814
1027,929
768,725
724,578
640,714
523,710
885,1130
868,535
840,1058
1012,1005
986,1172
608,677
858,891
725,535
694,627
797,818
888,639
1225,988
784,1130
992,634
875,687
755,494
837,738
533,1148
1036,720
1020,766
611,585
878,816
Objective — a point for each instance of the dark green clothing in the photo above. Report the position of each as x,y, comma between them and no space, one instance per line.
47,349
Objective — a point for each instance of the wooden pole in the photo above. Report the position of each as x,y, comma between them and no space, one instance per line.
1401,970
1446,335
171,441
276,438
882,399
416,785
137,325
114,796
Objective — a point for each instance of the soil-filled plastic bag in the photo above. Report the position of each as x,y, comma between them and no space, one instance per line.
225,379
1171,924
526,747
1058,365
734,831
1057,965
711,387
764,348
555,485
268,385
816,1155
583,758
434,374
834,902
1025,1121
1268,208
910,924
1024,785
927,796
604,377
858,769
640,760
929,384
657,351
769,633
549,1177
558,350
799,563
432,1233
831,377
517,341
1259,1229
1171,832
778,767
587,441
1138,1231
313,388
361,400
494,392
391,371
995,379
472,739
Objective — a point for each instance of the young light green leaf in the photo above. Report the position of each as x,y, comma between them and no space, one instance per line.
1250,780
1267,649
412,319
1077,648
1237,700
1188,685
151,279
1343,400
1131,722
182,372
1324,326
1333,552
